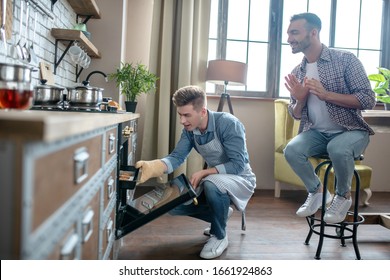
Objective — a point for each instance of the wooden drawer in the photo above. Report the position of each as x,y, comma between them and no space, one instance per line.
69,246
111,143
109,188
59,175
90,230
108,231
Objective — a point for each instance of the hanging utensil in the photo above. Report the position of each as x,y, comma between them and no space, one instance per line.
3,30
33,57
26,53
19,47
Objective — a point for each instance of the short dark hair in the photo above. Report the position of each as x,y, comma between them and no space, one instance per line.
193,95
313,21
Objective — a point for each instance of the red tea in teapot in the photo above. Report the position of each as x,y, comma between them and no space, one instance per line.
16,99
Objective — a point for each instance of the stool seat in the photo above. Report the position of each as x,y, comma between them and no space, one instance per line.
346,229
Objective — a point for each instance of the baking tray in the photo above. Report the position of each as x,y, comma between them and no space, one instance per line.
135,213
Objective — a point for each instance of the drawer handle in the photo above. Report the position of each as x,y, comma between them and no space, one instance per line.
81,157
109,229
111,144
126,132
68,251
87,225
110,187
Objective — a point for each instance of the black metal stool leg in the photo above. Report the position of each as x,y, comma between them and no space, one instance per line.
310,221
355,215
243,220
346,229
323,209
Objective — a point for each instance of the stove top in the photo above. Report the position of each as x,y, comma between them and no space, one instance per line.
86,109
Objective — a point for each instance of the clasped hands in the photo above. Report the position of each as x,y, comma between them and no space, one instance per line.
301,91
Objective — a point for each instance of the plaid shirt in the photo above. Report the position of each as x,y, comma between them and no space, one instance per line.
340,72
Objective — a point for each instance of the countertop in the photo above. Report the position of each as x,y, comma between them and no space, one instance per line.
50,126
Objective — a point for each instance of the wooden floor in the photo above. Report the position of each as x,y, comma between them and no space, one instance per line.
274,232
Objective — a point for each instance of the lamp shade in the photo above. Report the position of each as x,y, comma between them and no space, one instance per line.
232,72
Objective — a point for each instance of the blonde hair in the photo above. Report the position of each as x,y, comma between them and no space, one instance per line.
193,95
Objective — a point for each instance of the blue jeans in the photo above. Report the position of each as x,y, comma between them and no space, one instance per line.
342,149
213,207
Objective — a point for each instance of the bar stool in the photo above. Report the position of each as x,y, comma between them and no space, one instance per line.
346,229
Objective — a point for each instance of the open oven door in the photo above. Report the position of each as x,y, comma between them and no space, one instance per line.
134,213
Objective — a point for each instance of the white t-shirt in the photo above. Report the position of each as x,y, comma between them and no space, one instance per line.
318,113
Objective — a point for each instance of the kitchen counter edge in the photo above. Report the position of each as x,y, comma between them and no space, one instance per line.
48,126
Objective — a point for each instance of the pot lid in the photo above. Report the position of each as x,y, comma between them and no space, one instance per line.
43,85
89,88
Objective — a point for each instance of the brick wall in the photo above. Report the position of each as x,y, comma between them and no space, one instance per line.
44,44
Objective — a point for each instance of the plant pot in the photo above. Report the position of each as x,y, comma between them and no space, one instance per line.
130,106
387,106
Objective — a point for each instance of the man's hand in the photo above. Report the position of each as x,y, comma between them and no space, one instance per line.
315,87
150,169
296,89
199,175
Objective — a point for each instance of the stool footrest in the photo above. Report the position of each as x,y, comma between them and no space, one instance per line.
340,228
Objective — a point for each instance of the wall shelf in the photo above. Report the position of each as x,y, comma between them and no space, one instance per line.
76,35
68,37
85,8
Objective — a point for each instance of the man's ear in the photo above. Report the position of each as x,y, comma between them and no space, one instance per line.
204,111
314,32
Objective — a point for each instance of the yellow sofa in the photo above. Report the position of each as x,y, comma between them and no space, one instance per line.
285,129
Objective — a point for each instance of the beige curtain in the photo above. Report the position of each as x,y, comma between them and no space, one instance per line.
179,50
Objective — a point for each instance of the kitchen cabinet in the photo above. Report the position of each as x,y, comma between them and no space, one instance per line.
59,180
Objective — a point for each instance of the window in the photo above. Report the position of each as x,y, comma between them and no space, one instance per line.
254,32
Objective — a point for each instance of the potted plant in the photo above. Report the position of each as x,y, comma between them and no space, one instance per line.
133,80
382,86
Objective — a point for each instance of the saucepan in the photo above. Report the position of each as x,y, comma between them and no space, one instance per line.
47,94
85,95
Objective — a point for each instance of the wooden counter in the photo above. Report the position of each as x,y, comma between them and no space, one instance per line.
50,126
59,178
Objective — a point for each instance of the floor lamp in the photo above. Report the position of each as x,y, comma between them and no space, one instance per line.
226,72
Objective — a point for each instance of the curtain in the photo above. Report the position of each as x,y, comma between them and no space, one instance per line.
179,48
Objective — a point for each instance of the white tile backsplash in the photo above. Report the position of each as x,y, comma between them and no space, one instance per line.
44,44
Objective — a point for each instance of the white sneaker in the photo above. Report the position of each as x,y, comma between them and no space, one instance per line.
207,230
214,247
337,211
313,203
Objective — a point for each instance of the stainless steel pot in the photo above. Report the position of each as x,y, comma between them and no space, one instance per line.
15,73
47,94
86,96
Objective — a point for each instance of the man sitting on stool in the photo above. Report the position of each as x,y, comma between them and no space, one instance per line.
328,89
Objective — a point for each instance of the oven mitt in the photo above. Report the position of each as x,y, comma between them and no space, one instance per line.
150,169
